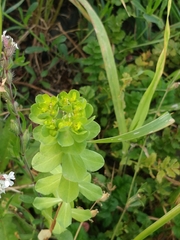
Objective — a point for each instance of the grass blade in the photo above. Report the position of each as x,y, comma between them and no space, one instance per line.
143,107
162,122
109,63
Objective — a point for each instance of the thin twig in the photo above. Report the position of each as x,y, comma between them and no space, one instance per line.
72,41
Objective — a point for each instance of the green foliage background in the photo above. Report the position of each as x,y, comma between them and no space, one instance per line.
141,175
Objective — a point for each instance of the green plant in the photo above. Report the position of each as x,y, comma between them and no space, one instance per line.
65,127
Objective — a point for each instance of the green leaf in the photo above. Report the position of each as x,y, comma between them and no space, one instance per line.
93,128
34,115
48,184
93,161
26,198
49,151
46,163
73,167
87,91
66,235
58,40
90,191
44,73
35,49
57,170
80,137
68,191
47,213
65,138
75,148
58,229
32,73
138,5
64,217
154,19
160,176
81,215
45,202
30,11
89,110
39,135
53,62
170,173
14,7
154,126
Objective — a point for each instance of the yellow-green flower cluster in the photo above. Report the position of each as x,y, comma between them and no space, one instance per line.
67,110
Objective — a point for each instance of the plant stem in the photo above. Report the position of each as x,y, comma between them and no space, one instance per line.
54,220
56,12
78,230
159,223
80,225
18,121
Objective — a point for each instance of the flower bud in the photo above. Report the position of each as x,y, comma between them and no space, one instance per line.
174,86
104,197
44,234
9,46
94,212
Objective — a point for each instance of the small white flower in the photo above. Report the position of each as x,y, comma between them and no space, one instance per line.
6,181
8,178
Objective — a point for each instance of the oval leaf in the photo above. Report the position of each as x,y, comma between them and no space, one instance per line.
73,167
93,128
39,135
65,138
48,184
45,202
35,49
90,191
64,217
81,215
43,163
68,191
93,161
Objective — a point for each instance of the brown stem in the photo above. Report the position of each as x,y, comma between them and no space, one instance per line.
54,220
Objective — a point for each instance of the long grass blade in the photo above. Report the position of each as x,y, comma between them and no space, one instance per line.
158,124
144,105
109,63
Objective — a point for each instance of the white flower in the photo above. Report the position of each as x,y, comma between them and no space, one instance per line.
8,178
6,181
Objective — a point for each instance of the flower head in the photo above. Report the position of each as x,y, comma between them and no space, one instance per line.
6,181
9,46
